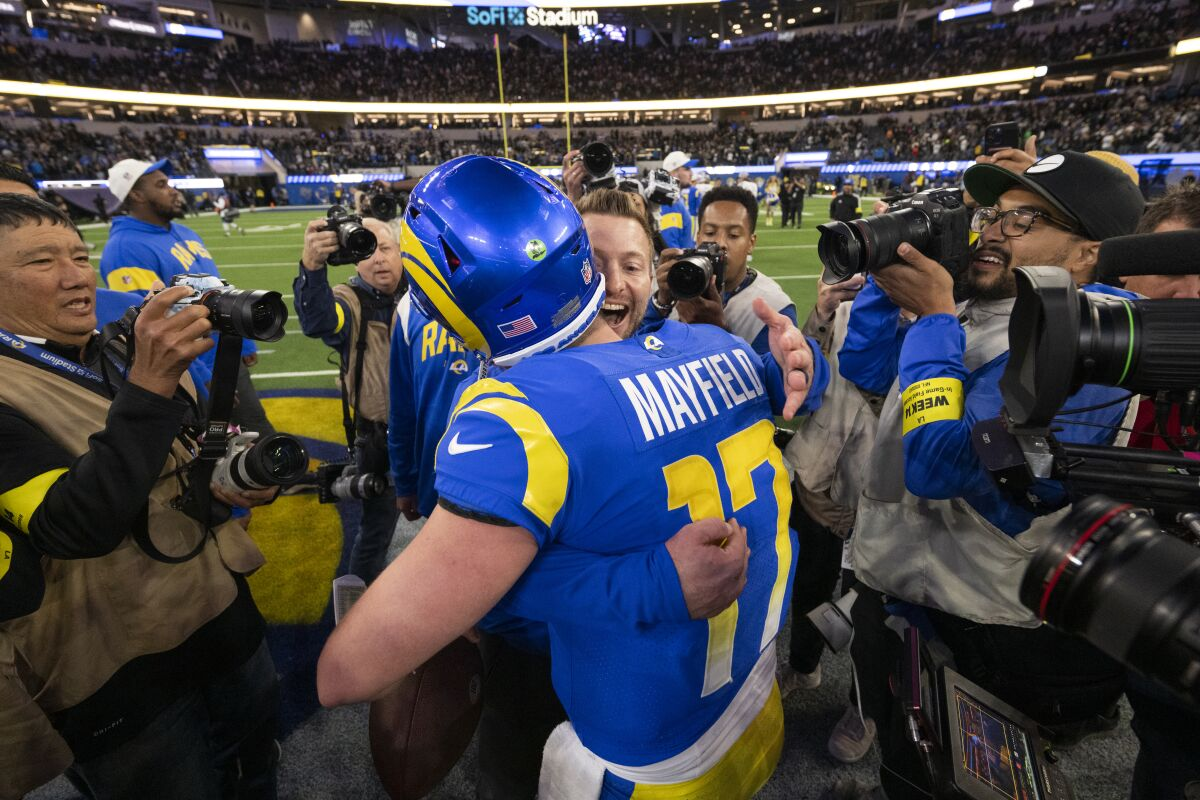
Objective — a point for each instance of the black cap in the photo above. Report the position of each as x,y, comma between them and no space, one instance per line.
1099,197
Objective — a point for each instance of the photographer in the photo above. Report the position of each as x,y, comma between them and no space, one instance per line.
675,220
728,216
141,675
355,318
932,528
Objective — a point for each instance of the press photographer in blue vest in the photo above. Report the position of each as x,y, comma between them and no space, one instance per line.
131,651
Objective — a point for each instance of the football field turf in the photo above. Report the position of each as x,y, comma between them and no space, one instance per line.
267,257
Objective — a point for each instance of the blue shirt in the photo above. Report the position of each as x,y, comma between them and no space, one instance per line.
939,461
427,365
608,450
111,306
139,253
675,224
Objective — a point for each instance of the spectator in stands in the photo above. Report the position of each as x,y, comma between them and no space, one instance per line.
15,180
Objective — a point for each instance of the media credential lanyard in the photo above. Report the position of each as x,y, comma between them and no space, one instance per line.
14,342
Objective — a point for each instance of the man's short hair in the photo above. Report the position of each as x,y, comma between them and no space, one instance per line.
615,203
1181,202
17,210
732,194
12,172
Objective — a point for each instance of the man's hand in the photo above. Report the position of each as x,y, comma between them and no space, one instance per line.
319,245
832,295
407,505
166,346
250,360
707,308
918,284
791,352
666,258
248,498
711,557
1011,158
879,207
573,173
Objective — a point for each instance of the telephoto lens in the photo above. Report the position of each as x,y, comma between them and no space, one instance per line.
358,487
355,243
1112,576
598,159
276,460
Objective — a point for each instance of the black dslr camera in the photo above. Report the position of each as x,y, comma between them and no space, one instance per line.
381,203
340,480
355,243
690,275
258,314
601,166
935,222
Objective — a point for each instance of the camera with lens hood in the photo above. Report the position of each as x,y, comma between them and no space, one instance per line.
340,480
935,222
253,463
355,242
600,164
691,273
257,314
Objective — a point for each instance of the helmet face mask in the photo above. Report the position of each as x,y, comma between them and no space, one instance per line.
500,257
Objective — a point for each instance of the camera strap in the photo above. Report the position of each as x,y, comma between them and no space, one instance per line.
197,500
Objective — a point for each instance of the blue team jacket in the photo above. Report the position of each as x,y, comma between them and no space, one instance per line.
675,224
939,461
138,253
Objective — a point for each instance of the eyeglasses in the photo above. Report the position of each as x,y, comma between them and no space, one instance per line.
1013,223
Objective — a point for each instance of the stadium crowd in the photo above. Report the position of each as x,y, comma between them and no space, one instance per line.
1126,122
817,61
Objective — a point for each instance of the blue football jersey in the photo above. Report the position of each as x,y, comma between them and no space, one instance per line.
610,449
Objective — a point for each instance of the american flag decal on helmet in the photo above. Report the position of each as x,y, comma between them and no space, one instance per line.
517,327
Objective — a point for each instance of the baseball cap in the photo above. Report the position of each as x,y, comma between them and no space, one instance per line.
677,159
1097,195
124,174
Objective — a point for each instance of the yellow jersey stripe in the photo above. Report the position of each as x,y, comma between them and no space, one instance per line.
547,472
341,316
673,220
6,549
485,386
741,772
131,279
17,505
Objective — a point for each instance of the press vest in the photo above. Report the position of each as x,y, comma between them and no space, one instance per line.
100,613
373,402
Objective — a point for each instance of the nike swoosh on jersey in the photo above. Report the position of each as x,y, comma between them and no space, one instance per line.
455,448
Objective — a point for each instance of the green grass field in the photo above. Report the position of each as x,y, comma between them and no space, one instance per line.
266,257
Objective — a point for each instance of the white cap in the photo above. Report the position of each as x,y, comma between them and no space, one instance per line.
677,159
124,174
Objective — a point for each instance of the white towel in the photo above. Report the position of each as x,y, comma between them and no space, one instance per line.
569,770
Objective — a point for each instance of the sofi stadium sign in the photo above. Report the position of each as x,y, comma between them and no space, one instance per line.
515,16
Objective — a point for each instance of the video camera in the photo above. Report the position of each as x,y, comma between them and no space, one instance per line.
690,275
660,188
601,166
935,222
355,242
1107,572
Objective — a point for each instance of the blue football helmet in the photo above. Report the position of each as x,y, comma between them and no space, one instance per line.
497,254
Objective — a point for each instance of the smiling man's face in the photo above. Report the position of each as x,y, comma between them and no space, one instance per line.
49,285
622,252
1047,243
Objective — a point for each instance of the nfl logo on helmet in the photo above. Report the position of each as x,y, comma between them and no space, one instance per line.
586,270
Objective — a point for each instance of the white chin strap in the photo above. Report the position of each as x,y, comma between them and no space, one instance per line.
573,330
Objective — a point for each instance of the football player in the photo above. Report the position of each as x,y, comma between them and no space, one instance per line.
600,446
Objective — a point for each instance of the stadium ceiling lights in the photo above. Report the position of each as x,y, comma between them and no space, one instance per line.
569,4
1187,46
129,97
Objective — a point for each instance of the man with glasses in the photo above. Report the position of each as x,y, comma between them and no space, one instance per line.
933,529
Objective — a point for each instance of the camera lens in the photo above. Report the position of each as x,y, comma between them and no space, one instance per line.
1111,575
259,314
689,276
358,487
276,460
357,241
865,245
384,207
1141,345
598,159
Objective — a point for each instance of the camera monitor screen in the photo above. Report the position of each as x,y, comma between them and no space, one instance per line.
994,751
